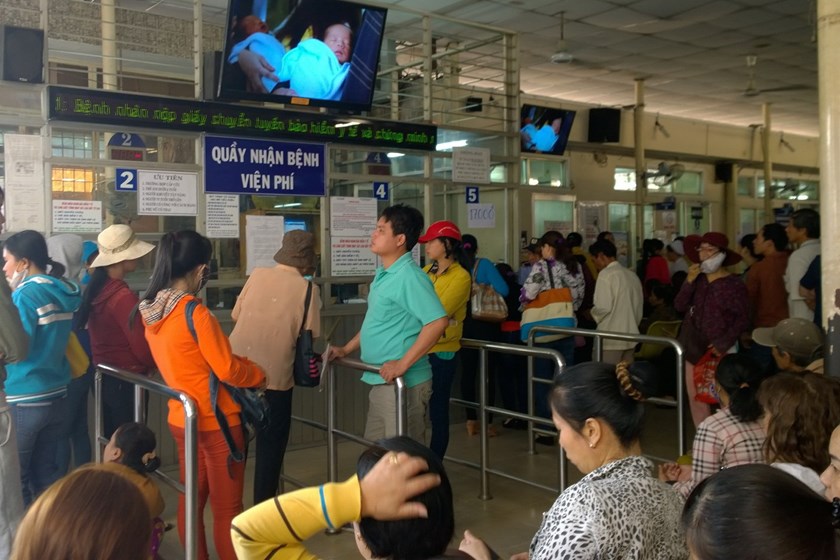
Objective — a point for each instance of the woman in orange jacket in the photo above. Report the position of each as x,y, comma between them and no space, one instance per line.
182,267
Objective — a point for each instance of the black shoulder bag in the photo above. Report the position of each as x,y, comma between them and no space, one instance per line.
253,405
307,367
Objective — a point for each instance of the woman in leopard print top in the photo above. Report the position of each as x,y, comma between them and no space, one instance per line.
618,511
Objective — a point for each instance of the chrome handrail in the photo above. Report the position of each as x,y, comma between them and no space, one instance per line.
190,486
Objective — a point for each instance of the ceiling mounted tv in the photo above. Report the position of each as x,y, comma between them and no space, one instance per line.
544,129
320,53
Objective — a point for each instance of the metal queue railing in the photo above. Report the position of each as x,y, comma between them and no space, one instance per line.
142,385
597,353
484,347
333,431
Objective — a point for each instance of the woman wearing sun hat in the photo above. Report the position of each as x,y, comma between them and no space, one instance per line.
117,337
452,286
714,302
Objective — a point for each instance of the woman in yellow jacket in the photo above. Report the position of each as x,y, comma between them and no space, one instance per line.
452,286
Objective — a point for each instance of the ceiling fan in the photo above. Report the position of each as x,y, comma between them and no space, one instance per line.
667,173
752,91
562,56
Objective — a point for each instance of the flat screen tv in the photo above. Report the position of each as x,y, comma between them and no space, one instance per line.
321,53
544,129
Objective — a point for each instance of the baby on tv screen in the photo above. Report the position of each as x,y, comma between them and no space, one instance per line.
320,53
544,129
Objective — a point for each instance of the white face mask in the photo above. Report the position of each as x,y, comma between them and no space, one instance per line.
16,279
712,264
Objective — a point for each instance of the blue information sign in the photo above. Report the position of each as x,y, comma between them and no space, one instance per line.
126,180
244,166
471,194
381,191
126,140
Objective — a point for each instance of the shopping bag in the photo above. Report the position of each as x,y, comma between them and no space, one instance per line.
76,356
704,377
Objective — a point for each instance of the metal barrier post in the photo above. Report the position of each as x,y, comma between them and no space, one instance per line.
139,404
402,406
482,418
332,451
190,486
530,389
191,476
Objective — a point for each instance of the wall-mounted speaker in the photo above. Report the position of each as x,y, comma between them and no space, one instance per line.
473,105
211,68
723,172
22,56
604,125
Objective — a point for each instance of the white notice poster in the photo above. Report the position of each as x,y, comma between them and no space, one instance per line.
352,217
167,193
222,216
77,216
471,165
481,216
263,238
25,204
351,256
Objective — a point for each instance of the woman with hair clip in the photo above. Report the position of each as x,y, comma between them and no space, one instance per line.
617,510
452,286
36,386
731,436
757,511
800,411
182,267
107,304
558,268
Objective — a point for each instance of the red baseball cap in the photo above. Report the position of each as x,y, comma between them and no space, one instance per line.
443,228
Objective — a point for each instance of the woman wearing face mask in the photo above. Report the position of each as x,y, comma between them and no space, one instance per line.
182,267
714,303
37,386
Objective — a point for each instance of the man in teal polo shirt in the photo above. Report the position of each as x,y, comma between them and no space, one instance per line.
403,321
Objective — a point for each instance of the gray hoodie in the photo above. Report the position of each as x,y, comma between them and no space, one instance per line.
66,248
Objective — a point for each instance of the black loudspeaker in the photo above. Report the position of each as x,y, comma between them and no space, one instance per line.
473,105
604,125
22,54
211,68
723,172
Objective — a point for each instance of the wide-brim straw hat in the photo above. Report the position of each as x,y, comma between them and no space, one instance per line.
118,243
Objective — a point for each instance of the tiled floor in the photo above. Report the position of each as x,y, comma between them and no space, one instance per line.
507,521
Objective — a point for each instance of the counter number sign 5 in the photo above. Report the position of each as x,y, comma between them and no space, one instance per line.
471,194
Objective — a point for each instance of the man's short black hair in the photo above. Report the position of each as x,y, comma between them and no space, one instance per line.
603,247
574,239
776,234
405,220
807,219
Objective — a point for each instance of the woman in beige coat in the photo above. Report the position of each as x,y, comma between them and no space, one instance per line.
268,316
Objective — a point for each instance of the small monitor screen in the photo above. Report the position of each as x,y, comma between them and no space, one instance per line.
544,129
320,53
290,225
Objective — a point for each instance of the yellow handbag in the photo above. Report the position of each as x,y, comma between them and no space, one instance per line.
76,355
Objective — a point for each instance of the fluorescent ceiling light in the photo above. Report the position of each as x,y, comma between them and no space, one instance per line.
346,124
288,205
442,147
393,155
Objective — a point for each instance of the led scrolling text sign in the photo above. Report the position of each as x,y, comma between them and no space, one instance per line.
143,111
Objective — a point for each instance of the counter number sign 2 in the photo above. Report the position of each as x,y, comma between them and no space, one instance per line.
126,180
471,194
381,191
